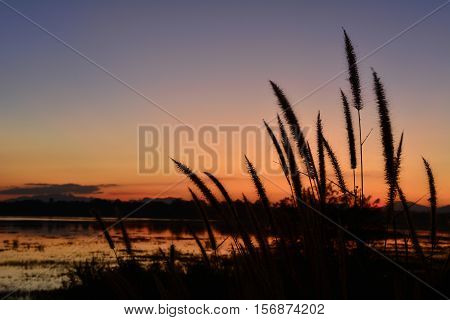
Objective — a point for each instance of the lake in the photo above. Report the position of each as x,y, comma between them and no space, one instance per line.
36,253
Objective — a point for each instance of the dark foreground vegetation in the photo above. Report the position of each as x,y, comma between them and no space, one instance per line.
319,244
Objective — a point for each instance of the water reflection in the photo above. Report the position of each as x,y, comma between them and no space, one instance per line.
35,253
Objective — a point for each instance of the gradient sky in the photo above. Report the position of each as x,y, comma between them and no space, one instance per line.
62,120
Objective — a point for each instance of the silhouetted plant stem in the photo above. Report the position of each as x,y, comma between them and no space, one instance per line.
412,230
387,139
321,156
361,158
357,99
292,163
350,139
202,211
433,201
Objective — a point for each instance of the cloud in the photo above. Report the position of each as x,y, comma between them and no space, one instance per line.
45,188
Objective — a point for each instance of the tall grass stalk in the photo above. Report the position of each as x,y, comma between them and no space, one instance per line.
199,183
398,160
281,156
294,126
125,236
387,139
292,163
433,201
355,85
260,191
412,229
232,210
106,233
337,167
202,211
321,157
350,138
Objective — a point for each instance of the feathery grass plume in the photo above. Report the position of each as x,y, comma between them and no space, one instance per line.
336,166
283,162
321,156
314,175
222,190
244,234
350,138
398,158
357,99
294,125
432,199
125,236
201,209
260,190
353,72
390,168
292,164
199,183
350,132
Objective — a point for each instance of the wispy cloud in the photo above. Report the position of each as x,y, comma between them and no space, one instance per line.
46,188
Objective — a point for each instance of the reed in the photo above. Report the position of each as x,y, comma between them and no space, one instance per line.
412,229
281,156
350,137
321,157
232,210
355,85
222,190
260,191
199,183
201,209
125,236
387,139
350,132
336,166
261,236
106,233
432,200
299,253
292,163
399,155
294,126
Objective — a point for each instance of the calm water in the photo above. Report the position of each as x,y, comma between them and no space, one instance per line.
35,253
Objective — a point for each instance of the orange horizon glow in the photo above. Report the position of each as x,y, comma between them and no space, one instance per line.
64,120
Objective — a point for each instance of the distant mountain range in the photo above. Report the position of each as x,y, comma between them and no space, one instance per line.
420,208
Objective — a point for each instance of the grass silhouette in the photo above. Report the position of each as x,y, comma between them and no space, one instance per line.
318,245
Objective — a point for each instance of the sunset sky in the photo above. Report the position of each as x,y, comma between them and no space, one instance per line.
64,120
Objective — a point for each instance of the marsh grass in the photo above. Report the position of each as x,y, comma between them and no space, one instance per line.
318,245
